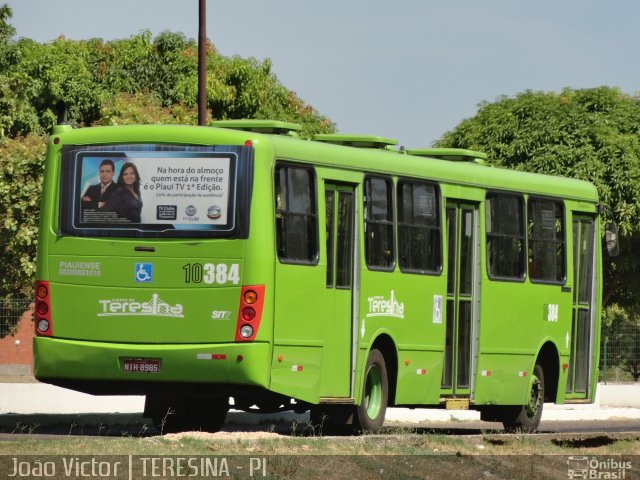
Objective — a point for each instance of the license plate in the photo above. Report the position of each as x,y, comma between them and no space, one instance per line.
144,365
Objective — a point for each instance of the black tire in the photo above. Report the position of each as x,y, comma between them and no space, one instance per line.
183,414
369,415
527,417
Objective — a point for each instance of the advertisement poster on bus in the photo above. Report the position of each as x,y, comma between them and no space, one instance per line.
178,189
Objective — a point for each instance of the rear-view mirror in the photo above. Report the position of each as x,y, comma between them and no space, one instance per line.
611,239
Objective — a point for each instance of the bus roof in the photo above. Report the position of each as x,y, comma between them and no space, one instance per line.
451,154
469,173
442,165
361,141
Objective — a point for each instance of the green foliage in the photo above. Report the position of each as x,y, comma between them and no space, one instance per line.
136,80
138,108
165,66
239,88
60,72
21,171
90,76
591,134
8,52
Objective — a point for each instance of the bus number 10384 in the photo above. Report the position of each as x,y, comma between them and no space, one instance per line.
212,274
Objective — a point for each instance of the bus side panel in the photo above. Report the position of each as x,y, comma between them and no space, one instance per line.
503,379
418,379
300,330
419,332
296,372
510,335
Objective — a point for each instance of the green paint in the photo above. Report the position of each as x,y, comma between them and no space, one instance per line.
314,334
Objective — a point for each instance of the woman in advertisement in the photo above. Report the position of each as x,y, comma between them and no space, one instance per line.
126,201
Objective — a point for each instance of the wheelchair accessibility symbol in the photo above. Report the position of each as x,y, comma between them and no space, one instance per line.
144,272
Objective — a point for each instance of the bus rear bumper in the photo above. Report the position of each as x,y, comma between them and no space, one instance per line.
100,367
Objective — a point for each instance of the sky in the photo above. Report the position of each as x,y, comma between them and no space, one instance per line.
407,69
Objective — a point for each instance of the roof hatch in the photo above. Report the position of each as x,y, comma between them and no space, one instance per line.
259,126
451,154
358,141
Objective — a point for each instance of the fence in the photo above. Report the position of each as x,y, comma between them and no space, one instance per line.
620,352
11,311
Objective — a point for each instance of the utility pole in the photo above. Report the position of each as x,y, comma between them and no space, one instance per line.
202,64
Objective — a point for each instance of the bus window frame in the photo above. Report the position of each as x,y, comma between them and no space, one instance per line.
390,181
315,260
523,225
564,235
438,208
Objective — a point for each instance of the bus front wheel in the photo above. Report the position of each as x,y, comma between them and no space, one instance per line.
370,412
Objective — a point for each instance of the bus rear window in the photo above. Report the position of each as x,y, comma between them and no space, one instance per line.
149,191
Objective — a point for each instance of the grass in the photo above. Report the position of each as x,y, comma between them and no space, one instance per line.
396,452
303,441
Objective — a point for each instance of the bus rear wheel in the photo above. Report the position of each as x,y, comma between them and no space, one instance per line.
527,417
182,414
369,415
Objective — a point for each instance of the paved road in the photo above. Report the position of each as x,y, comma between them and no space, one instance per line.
36,407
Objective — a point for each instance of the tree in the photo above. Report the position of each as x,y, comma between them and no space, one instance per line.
7,32
21,171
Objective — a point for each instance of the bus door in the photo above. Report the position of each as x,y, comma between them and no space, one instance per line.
583,320
340,202
461,309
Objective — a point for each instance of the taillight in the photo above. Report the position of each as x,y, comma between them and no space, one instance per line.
43,309
250,296
249,312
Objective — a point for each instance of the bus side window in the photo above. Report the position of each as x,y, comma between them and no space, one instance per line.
505,236
546,240
419,238
379,248
296,214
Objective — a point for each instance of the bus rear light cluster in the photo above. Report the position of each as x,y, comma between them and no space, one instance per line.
249,313
43,309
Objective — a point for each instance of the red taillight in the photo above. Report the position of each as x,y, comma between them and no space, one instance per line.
42,290
43,309
249,312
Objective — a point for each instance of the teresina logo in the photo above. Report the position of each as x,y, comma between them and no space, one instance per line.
128,307
381,307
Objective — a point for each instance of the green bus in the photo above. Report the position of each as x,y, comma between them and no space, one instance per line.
340,275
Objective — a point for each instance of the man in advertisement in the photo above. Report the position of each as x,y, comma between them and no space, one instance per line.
97,195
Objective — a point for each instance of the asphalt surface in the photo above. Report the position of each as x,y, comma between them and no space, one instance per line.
31,407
